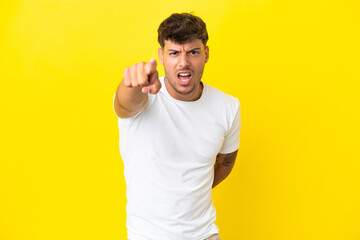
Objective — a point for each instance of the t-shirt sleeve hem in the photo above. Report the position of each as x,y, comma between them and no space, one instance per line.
229,150
124,121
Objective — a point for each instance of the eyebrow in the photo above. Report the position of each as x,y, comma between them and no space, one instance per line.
173,50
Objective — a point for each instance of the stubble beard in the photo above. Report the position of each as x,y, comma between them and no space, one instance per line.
173,83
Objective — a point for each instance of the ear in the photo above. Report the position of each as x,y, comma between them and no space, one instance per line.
161,55
206,54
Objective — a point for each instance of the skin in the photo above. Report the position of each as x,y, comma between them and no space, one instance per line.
132,92
223,166
190,57
141,79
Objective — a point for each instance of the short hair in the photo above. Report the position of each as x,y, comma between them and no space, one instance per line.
181,28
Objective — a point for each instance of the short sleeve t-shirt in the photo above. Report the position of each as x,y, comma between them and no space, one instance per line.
169,150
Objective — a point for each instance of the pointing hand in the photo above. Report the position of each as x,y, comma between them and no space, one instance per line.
143,75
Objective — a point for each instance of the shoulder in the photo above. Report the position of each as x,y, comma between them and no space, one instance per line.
221,99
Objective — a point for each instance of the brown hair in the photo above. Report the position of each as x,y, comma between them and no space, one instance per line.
182,27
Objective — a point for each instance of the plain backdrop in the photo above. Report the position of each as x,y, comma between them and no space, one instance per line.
294,65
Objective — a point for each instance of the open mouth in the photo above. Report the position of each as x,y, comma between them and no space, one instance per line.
184,78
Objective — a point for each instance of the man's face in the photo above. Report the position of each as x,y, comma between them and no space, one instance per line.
184,65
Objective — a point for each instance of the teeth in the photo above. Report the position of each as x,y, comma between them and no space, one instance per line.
184,74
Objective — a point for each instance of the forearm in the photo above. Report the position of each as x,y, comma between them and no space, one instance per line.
129,100
220,173
223,166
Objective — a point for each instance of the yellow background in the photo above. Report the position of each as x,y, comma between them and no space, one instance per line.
294,65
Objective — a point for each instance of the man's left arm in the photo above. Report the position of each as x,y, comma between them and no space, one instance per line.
223,166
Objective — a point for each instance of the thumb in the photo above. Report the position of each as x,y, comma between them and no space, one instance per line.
154,84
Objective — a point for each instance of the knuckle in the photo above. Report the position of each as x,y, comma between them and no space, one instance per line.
126,72
127,82
139,66
135,84
143,81
143,67
133,68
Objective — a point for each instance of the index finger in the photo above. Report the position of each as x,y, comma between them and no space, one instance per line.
151,66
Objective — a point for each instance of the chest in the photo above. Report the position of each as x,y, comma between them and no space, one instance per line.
181,131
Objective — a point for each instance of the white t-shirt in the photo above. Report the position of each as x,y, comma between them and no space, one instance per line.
169,150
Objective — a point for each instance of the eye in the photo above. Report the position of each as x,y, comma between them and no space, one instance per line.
173,53
194,52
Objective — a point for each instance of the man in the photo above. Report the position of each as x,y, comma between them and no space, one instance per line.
178,137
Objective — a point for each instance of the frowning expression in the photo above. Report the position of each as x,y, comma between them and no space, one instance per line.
184,66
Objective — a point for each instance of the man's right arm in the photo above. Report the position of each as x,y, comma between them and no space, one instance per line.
132,92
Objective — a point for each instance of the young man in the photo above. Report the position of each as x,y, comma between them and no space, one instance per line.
178,137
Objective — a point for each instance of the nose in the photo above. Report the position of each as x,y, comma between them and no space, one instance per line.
184,60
